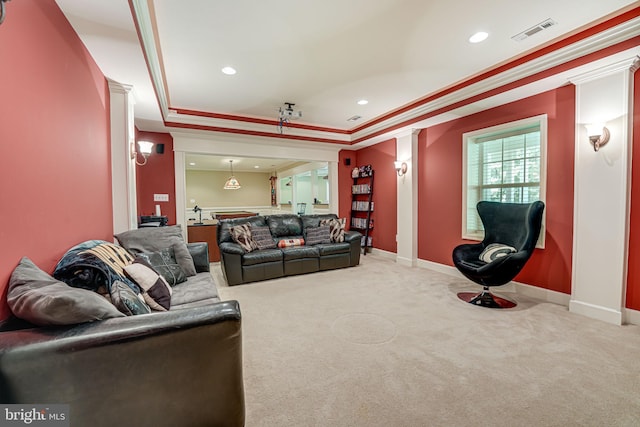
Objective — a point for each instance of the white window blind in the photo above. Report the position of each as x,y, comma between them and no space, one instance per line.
503,164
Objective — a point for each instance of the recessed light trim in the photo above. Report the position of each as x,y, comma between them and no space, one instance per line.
229,71
363,102
478,37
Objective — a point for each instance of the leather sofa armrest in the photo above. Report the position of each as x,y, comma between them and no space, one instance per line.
231,248
192,353
350,236
200,253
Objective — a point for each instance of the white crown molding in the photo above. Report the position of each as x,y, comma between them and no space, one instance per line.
628,64
568,53
604,39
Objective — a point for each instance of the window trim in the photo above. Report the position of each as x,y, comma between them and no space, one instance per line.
470,137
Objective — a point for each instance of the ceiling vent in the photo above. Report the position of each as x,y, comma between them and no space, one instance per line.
535,29
354,118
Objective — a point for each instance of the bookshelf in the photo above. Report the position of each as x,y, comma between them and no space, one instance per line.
362,204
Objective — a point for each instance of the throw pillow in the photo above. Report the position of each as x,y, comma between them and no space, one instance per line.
262,237
336,228
164,262
318,235
494,251
35,296
154,239
127,301
241,234
155,289
285,243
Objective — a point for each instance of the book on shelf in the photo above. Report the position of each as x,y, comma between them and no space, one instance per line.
361,223
357,205
360,189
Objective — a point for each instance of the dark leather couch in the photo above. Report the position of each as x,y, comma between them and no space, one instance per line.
182,367
239,266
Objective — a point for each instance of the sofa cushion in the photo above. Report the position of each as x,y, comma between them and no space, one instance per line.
198,289
223,233
314,220
337,228
35,296
285,225
262,237
334,248
155,289
153,239
297,252
258,257
317,235
164,262
241,234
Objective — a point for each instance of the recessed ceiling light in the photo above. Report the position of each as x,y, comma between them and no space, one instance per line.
256,167
478,37
230,71
192,164
363,102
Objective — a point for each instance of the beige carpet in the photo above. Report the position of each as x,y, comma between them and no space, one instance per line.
386,345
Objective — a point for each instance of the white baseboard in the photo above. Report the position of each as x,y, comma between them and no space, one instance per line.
546,295
596,312
631,316
385,254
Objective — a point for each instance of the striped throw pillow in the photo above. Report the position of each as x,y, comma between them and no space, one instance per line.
494,251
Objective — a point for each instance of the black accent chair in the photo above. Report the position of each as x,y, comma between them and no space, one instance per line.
513,224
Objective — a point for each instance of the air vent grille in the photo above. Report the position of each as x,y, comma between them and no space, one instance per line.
535,29
354,118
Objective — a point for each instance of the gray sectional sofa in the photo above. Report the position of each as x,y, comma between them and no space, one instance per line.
174,368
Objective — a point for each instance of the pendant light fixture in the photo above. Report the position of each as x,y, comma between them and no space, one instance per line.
232,183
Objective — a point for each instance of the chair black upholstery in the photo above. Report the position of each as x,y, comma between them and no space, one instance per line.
514,224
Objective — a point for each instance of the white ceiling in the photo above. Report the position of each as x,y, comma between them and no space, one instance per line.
322,55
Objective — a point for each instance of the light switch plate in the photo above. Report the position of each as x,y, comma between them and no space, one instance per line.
160,197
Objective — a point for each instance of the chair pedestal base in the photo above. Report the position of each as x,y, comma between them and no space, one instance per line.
486,299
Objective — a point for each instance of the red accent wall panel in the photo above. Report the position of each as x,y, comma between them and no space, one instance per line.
633,277
55,173
440,185
345,181
157,177
385,193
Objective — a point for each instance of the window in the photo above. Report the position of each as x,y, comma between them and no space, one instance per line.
505,163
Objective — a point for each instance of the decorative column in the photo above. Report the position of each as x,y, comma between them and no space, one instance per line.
407,203
123,167
601,194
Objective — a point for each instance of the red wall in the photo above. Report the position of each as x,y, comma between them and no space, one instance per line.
157,177
385,193
345,181
55,173
440,185
633,278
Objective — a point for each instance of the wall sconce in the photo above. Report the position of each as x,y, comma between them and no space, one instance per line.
145,150
2,11
598,135
401,167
